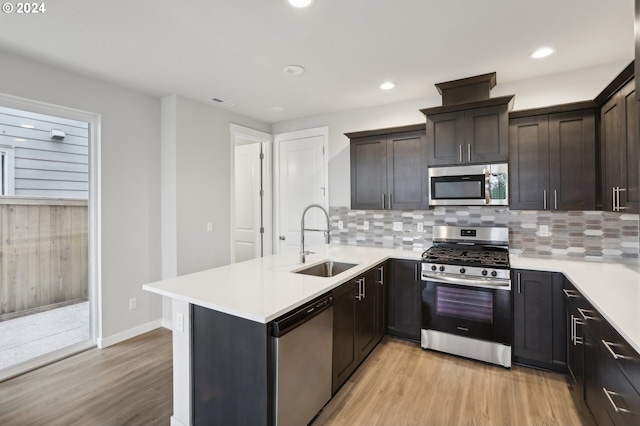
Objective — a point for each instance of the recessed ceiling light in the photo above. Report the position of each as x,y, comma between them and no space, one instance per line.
28,126
387,85
276,109
293,69
300,3
543,52
19,140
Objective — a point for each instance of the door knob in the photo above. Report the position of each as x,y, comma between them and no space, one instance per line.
282,238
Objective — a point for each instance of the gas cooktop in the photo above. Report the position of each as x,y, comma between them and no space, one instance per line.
468,256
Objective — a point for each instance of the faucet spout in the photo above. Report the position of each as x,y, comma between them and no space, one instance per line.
327,231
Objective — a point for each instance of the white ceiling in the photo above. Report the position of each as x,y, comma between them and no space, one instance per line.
236,49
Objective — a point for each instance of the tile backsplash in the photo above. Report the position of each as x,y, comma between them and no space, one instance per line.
578,235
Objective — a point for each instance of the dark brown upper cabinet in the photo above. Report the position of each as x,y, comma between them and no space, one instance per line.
619,150
552,160
389,169
468,133
469,127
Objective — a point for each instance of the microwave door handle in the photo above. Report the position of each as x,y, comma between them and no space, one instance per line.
487,189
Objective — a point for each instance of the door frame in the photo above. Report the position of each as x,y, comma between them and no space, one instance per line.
298,134
266,140
94,226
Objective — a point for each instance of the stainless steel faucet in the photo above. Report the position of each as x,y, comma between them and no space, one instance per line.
303,253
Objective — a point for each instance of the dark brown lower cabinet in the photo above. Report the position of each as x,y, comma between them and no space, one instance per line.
356,326
539,331
403,319
604,368
232,374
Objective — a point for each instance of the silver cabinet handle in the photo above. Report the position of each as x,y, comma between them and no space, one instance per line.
519,283
615,355
544,199
618,198
364,288
381,269
573,330
382,201
469,152
417,273
569,293
578,340
613,200
586,317
555,199
460,153
390,201
359,296
608,394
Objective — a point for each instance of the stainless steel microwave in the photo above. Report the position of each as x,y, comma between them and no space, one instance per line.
473,185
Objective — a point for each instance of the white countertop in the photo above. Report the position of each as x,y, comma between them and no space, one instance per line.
613,289
263,289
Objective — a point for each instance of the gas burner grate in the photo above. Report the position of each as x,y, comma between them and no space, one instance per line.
494,258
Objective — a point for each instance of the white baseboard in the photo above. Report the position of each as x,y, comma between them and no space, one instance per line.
176,422
128,334
168,324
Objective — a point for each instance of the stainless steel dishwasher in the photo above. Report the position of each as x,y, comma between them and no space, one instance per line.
303,344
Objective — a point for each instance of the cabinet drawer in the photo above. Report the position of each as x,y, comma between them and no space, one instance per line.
620,399
621,354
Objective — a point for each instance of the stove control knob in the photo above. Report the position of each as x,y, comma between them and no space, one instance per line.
462,270
442,269
484,272
434,267
494,273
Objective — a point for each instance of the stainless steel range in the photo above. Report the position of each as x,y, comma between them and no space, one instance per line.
466,293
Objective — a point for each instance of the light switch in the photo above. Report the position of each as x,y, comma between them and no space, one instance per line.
366,225
420,227
210,227
544,230
397,226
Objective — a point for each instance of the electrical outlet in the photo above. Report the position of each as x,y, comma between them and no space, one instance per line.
132,303
420,227
397,226
366,225
340,224
210,227
179,321
544,230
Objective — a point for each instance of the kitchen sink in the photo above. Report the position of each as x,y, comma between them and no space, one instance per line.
326,269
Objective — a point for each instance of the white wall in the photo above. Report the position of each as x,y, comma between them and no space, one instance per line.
130,181
573,86
202,181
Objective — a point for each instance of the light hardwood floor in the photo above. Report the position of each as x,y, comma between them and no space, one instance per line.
126,384
398,384
402,384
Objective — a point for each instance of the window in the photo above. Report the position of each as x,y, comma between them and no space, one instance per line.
7,172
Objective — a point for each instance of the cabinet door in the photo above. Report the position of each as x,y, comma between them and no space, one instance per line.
611,128
368,172
486,135
445,138
529,163
572,148
366,327
575,345
404,314
381,301
407,171
345,352
630,201
532,316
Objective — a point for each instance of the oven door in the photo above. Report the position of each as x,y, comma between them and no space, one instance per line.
481,313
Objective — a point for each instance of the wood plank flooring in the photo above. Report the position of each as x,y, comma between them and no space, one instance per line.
129,383
399,384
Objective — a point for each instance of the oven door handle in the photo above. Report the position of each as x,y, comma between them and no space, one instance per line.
467,281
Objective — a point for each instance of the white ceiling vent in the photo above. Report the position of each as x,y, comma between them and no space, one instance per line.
57,134
222,102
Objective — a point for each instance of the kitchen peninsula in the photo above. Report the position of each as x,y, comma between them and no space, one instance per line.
247,296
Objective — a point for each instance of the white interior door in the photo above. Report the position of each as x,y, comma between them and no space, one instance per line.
302,180
248,239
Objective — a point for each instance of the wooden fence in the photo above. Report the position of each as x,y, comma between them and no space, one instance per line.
44,259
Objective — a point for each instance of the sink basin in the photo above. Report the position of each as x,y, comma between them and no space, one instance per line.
326,269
